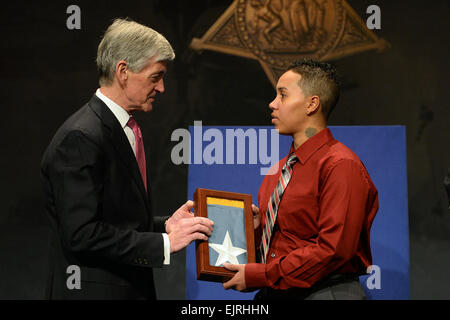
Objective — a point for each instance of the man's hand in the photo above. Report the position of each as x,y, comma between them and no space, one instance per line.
256,216
183,228
238,281
183,212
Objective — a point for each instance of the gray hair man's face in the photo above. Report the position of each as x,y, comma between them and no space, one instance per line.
141,88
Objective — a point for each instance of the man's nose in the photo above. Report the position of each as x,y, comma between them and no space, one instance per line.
160,86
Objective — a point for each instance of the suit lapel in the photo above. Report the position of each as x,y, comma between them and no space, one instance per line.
120,143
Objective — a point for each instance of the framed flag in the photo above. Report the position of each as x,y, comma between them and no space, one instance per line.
232,239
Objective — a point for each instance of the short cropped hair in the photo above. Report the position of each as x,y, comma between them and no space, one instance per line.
132,42
318,78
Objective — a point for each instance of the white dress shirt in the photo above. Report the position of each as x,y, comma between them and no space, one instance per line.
122,116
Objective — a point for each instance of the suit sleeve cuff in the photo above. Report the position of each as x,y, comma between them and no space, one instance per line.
255,275
166,249
159,223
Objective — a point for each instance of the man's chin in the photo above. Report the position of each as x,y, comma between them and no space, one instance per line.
147,107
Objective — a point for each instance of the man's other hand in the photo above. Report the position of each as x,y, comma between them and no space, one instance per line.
183,212
183,228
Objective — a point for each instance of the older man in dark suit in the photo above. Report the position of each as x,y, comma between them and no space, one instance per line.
95,179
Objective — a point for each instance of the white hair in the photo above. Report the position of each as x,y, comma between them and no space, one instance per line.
132,42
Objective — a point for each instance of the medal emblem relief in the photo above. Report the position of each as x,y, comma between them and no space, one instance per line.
276,32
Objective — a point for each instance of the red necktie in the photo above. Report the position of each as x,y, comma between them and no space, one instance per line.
140,154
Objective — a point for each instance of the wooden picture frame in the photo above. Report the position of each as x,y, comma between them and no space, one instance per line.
219,203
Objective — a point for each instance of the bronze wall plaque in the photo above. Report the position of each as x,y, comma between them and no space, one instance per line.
232,239
276,32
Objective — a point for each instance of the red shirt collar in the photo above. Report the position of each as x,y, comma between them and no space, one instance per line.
310,146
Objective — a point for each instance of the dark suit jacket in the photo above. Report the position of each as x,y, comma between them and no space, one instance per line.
100,212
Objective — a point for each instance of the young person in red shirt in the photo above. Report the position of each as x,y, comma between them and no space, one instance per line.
316,212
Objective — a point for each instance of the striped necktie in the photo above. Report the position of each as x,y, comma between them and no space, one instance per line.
274,202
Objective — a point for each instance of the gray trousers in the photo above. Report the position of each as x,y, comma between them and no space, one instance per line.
350,290
338,288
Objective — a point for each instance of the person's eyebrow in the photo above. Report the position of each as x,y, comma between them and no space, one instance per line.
161,72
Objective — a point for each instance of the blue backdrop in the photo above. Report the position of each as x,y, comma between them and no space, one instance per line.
383,151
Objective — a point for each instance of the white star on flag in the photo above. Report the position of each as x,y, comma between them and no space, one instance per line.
226,251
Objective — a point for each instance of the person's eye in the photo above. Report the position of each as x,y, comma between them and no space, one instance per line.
155,77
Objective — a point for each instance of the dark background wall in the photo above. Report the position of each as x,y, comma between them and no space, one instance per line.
48,72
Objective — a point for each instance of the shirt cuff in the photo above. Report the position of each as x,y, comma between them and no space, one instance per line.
255,275
166,249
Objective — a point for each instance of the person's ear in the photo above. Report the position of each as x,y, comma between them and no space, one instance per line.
313,105
122,71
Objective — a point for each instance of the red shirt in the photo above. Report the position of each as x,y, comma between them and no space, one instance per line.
324,217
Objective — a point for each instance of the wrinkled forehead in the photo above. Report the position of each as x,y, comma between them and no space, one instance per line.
156,67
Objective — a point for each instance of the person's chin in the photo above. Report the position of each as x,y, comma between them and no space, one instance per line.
147,107
281,131
276,126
